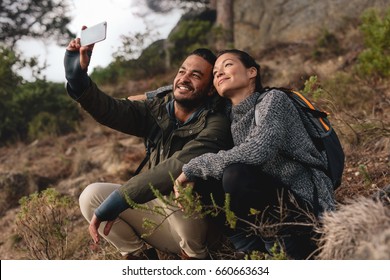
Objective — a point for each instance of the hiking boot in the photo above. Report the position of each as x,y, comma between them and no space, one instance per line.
148,254
239,255
183,256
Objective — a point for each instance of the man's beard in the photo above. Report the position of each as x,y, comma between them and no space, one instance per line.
190,104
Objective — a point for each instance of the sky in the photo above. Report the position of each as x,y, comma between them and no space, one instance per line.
122,19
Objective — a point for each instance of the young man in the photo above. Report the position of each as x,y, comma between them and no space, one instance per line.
188,124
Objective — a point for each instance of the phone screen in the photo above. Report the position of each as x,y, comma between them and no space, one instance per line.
93,34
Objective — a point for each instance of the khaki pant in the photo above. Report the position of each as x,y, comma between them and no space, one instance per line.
173,234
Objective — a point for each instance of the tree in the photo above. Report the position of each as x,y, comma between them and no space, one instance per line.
35,19
165,6
225,23
10,83
25,107
225,17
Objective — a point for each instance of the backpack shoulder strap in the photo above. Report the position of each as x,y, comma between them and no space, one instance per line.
265,91
259,98
150,143
306,105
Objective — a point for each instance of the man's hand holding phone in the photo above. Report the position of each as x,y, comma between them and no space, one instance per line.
86,42
77,58
85,52
93,34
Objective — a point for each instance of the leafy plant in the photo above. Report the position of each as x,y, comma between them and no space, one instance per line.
327,45
44,222
189,35
277,253
43,124
313,87
375,59
35,19
24,102
367,178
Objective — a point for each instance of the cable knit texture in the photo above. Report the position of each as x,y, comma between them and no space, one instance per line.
278,143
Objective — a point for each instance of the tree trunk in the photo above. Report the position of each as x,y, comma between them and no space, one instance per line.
213,4
224,24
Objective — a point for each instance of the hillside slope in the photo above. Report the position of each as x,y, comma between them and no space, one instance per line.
95,153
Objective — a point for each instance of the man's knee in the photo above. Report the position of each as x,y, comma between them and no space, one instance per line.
93,195
88,193
85,201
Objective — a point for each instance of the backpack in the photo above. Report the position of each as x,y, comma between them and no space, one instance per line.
320,131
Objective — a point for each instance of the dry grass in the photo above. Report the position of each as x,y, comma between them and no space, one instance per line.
359,229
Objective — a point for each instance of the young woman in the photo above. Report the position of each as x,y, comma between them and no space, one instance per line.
274,167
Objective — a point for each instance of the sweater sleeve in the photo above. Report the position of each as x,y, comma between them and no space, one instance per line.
262,143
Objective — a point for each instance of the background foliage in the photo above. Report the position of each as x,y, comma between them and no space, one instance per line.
42,19
375,59
31,109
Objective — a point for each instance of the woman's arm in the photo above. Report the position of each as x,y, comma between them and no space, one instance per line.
262,143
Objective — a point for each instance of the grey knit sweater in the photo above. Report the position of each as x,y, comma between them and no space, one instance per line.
277,142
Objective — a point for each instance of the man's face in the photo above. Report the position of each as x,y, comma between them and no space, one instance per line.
192,82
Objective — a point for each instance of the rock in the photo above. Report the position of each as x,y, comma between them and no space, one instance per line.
260,23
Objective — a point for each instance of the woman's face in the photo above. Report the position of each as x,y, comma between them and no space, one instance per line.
231,77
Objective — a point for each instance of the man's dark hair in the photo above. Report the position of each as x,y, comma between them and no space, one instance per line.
206,54
210,57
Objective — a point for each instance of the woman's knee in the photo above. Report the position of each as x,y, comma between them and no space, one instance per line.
233,176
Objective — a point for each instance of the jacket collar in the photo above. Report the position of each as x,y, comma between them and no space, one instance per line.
170,106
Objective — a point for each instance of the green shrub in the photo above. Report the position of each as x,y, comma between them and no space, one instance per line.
152,59
151,62
43,103
375,59
43,124
105,75
34,105
313,88
22,102
10,83
327,45
44,222
189,35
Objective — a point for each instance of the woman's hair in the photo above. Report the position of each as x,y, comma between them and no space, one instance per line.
248,62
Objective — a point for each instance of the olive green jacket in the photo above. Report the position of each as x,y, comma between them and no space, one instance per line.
210,132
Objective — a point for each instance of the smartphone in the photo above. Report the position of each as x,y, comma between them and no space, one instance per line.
93,34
